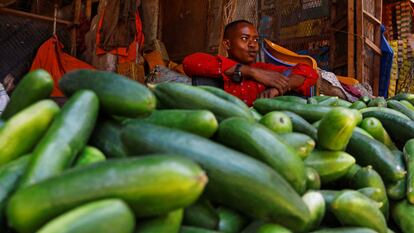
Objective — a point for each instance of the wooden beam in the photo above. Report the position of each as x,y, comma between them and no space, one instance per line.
76,16
371,18
373,46
33,16
88,9
360,61
351,38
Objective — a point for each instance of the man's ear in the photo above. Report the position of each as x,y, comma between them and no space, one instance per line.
226,44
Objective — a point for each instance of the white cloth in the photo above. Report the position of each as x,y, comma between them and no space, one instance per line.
333,80
4,98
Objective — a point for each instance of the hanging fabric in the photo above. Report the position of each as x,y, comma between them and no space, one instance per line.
126,52
53,59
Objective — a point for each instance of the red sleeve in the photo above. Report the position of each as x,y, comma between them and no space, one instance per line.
203,64
311,76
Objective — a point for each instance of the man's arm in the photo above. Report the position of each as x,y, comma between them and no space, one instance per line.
269,78
202,64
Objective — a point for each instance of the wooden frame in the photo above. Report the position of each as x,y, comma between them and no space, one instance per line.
364,43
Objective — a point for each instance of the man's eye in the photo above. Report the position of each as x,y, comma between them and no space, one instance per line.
244,38
256,40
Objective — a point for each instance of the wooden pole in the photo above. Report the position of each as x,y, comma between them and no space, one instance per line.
351,38
76,16
33,16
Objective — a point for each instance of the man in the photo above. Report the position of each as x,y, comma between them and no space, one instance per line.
242,75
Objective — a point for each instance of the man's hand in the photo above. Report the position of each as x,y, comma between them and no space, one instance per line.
269,93
268,78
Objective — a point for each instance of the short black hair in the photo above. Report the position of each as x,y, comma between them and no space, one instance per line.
231,26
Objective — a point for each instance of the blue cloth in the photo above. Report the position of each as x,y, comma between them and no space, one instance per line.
386,65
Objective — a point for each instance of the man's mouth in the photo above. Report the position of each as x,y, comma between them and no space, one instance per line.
252,53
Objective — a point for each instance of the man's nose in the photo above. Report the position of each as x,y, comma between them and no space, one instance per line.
253,44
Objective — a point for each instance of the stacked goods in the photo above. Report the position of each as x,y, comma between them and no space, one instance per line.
119,157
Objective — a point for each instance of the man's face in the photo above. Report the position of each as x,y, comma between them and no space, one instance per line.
242,44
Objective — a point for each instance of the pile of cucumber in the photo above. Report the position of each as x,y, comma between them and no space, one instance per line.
119,157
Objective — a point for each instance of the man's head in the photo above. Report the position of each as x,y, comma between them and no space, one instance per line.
241,41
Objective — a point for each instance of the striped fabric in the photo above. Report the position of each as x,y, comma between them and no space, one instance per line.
4,98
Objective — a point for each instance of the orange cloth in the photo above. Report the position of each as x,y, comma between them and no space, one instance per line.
53,59
125,54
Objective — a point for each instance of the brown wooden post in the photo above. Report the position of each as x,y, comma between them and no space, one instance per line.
351,38
76,16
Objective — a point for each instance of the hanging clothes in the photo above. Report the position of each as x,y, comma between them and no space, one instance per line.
53,59
110,25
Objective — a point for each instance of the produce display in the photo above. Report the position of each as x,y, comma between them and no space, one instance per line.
121,157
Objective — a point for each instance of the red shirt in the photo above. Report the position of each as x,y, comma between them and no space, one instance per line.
202,64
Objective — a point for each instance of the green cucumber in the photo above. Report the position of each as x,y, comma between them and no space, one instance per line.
316,205
363,132
409,160
89,155
330,165
100,216
107,138
167,223
365,99
188,229
300,125
374,127
314,100
367,177
331,101
368,112
336,129
201,122
230,221
201,214
24,130
407,104
150,185
117,94
343,103
358,105
310,112
374,194
253,226
377,102
355,209
272,228
368,151
396,105
10,174
397,191
319,98
263,144
403,214
404,96
257,116
226,96
313,180
181,96
34,86
66,137
302,143
291,98
400,128
346,230
232,175
276,121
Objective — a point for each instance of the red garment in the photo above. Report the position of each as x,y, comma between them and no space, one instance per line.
51,58
202,64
